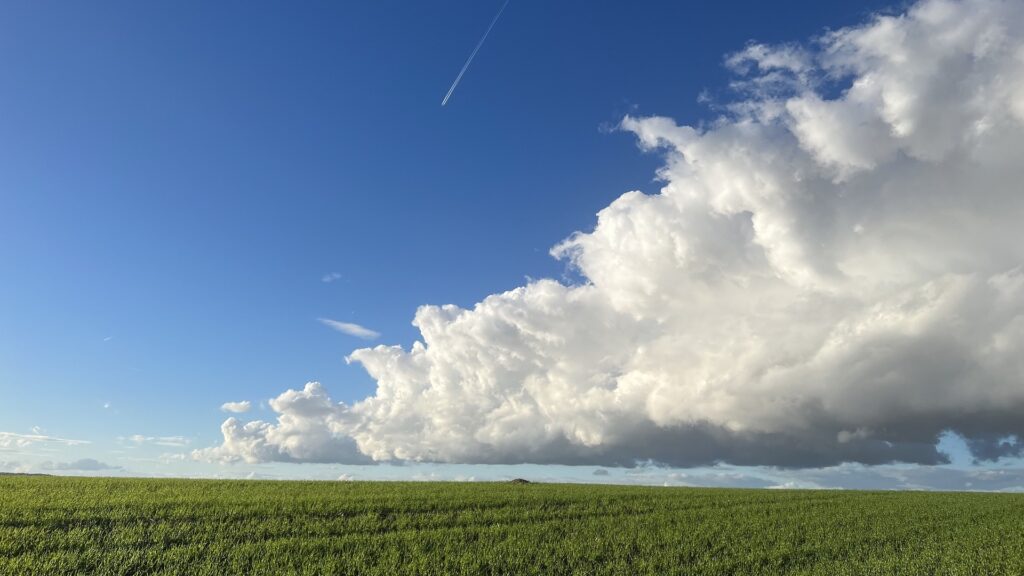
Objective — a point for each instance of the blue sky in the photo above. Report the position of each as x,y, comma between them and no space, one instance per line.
186,188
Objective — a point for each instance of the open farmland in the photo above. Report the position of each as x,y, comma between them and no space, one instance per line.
52,525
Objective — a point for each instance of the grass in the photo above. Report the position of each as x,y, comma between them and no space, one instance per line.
52,525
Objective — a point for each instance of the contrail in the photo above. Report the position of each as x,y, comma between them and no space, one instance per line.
473,55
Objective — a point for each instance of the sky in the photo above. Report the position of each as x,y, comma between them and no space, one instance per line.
729,244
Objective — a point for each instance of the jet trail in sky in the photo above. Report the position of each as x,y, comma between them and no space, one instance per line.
473,55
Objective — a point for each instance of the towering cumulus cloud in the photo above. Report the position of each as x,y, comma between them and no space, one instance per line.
832,272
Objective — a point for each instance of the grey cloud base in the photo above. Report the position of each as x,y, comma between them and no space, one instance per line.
822,279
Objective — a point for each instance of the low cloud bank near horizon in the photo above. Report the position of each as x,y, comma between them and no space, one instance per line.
80,465
87,465
831,273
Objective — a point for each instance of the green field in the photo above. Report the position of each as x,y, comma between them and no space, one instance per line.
51,525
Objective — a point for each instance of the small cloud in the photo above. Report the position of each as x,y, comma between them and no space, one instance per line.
346,478
83,465
169,441
107,405
108,338
331,277
845,436
350,329
600,472
38,431
795,485
236,407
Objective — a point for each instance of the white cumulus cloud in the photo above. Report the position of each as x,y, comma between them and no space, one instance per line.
310,428
236,407
832,272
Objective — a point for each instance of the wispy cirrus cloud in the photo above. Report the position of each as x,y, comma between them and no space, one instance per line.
350,329
11,440
330,277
